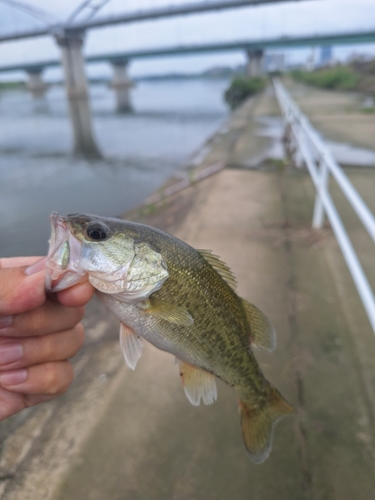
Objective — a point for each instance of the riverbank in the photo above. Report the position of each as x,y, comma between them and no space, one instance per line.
357,76
118,434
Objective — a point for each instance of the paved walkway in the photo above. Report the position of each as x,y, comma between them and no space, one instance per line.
151,444
133,435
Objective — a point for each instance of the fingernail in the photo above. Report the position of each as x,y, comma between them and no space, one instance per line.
10,353
14,377
6,321
38,266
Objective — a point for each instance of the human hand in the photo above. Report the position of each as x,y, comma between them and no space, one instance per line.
38,334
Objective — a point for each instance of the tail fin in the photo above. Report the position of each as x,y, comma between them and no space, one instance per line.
257,424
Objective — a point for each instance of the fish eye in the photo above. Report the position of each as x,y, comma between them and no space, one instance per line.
97,232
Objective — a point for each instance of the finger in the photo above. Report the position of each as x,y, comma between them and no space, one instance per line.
49,379
77,295
36,350
18,261
48,318
12,402
19,292
39,265
35,399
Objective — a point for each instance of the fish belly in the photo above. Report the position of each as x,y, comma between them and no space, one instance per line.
146,326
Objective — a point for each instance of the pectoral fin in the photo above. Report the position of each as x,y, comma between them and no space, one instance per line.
262,332
131,345
169,312
198,384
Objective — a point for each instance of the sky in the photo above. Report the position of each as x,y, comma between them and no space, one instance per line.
250,23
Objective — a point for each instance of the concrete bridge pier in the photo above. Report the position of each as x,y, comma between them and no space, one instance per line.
255,62
121,84
35,85
77,93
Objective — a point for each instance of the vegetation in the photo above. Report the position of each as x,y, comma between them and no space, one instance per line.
335,78
11,85
243,87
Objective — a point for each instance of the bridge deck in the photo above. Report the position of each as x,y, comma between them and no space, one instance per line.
316,39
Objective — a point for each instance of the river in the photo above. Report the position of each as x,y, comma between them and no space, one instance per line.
170,122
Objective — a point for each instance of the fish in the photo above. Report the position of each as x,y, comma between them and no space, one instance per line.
181,300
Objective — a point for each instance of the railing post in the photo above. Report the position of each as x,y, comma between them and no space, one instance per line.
318,216
297,154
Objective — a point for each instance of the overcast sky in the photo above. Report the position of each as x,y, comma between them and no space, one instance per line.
252,23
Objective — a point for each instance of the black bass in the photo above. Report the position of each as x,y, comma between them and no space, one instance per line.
182,301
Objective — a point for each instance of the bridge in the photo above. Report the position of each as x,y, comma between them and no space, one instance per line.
119,60
247,45
70,38
139,16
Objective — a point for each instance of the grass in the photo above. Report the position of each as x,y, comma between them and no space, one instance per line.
11,85
334,78
243,87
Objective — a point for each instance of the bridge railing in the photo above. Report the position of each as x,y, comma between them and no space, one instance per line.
320,164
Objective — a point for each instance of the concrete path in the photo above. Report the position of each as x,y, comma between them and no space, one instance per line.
340,116
151,444
133,435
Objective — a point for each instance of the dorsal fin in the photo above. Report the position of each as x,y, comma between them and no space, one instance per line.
262,332
220,267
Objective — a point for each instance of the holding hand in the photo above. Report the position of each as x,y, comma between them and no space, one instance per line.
38,334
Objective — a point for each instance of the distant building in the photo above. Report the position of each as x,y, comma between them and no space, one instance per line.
326,55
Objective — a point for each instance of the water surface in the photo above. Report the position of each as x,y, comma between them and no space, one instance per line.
170,123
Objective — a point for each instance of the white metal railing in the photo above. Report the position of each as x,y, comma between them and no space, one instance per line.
320,163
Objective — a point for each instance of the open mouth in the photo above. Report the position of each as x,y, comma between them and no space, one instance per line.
64,255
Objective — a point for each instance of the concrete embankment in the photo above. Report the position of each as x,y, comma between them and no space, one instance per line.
119,434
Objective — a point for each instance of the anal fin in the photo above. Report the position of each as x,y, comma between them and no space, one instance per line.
131,345
198,384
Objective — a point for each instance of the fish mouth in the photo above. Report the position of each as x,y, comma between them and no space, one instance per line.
64,256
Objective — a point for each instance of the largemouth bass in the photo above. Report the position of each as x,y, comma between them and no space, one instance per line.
182,301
